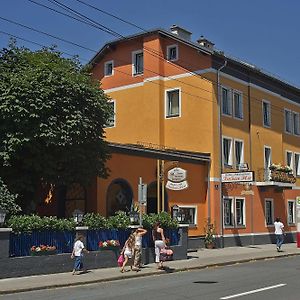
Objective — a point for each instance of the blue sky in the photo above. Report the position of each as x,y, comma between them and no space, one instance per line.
262,32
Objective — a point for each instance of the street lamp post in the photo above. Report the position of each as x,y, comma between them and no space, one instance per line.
78,216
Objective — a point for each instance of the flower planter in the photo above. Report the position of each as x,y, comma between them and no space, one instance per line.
109,248
41,253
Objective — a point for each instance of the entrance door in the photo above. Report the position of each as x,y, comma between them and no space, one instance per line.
152,198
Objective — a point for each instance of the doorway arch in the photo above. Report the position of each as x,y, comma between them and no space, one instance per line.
119,196
152,198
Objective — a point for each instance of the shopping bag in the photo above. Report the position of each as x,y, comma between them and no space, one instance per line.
166,254
121,260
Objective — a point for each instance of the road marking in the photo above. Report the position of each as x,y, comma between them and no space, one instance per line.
254,291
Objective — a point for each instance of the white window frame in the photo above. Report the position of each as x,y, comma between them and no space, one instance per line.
112,68
244,212
267,171
242,153
272,212
296,123
291,164
195,215
232,218
167,102
269,114
297,164
289,122
133,57
294,212
113,123
168,52
241,117
229,97
230,154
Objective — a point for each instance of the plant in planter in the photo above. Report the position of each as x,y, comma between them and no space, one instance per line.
210,235
42,250
109,245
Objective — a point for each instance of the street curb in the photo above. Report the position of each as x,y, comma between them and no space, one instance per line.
139,275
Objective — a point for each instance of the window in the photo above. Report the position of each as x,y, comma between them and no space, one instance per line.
187,215
291,212
289,159
226,102
240,212
109,68
266,114
228,220
111,122
296,123
288,121
172,52
297,164
237,105
172,103
269,212
227,152
239,152
267,162
137,62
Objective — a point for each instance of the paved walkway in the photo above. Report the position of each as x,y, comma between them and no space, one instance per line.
203,258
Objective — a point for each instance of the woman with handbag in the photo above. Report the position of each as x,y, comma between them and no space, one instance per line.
159,243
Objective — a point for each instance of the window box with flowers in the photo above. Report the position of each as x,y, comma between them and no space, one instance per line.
42,250
109,245
282,173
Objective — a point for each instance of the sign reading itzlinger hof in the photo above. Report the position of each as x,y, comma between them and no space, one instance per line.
177,179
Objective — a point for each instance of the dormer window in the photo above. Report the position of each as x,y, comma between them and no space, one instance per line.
109,68
172,52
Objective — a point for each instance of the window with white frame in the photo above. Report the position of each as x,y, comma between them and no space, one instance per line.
172,103
296,123
137,62
172,52
228,211
266,107
239,152
111,122
269,212
187,215
289,159
267,162
291,212
240,211
297,164
109,68
227,151
237,105
226,102
288,120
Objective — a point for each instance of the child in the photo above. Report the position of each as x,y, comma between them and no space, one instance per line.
127,251
77,253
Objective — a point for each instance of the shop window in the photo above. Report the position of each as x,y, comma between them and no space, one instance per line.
269,212
172,53
291,212
172,103
137,62
187,215
109,68
266,107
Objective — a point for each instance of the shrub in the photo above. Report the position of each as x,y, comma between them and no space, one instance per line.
164,218
94,221
119,221
8,200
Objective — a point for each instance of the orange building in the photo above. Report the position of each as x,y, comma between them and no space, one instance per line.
229,130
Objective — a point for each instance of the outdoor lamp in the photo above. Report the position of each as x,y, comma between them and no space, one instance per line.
175,212
134,217
77,215
2,216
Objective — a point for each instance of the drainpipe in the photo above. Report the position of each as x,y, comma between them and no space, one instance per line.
220,153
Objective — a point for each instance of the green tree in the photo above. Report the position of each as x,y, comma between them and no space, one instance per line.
52,115
8,200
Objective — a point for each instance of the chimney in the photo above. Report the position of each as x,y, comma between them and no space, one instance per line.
181,32
205,43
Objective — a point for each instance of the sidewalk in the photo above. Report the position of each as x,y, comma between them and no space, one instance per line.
203,258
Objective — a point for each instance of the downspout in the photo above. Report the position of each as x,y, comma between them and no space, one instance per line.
220,153
208,192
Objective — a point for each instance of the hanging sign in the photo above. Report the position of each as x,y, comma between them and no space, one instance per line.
177,179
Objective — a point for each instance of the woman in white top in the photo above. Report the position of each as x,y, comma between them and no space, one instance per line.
159,243
127,251
138,248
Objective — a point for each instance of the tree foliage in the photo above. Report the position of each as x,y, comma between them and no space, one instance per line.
8,200
52,116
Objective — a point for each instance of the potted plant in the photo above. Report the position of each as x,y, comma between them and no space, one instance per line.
109,245
210,234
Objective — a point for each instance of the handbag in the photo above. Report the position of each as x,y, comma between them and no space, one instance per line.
166,254
120,260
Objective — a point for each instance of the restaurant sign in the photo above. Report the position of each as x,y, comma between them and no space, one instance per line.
238,177
177,179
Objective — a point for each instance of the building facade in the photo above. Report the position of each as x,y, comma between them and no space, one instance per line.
178,96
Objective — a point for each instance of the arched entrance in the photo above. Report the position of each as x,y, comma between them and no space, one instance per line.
118,197
75,199
152,198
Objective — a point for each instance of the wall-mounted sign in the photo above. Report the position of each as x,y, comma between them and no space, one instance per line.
238,177
177,179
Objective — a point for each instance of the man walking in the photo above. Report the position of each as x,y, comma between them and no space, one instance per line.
279,231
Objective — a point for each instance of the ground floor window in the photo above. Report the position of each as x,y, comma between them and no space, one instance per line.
234,211
291,212
269,212
187,215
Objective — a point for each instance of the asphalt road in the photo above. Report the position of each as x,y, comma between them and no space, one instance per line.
269,279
